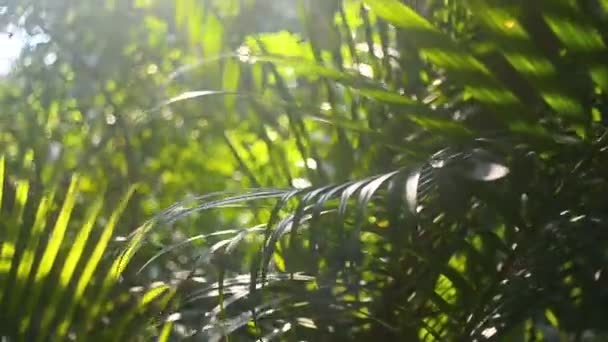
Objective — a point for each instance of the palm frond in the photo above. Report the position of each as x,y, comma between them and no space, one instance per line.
51,259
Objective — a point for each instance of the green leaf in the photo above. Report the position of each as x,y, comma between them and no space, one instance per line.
462,66
50,253
212,36
89,270
230,82
68,270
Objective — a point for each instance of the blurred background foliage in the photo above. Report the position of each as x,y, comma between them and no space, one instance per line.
317,170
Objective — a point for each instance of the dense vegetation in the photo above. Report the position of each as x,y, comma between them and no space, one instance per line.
319,170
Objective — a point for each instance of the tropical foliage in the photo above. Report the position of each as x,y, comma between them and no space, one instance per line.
52,289
353,169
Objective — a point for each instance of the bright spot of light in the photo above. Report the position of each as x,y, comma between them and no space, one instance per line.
176,316
110,119
377,49
509,24
300,183
12,42
54,150
365,70
309,163
244,53
152,69
271,133
10,48
50,58
489,332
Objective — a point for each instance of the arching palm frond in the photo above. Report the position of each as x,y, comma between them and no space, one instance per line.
55,274
498,236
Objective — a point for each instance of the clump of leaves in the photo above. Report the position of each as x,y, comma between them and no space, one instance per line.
57,274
